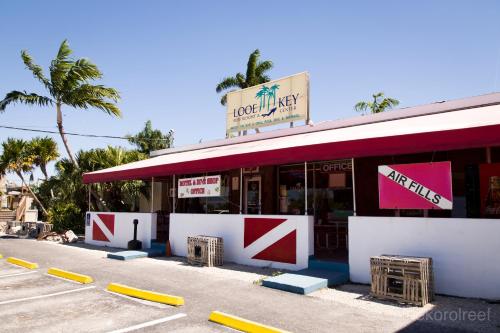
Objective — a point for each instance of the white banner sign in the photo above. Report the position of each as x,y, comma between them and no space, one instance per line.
279,101
208,186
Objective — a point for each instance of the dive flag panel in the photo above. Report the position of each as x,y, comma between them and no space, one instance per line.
415,186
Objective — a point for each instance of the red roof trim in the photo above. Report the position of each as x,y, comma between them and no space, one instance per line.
393,145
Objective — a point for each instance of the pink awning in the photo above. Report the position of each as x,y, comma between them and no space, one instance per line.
460,129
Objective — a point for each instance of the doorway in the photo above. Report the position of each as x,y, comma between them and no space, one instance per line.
253,194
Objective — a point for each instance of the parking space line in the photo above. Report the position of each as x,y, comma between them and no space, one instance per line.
149,323
45,296
139,300
16,274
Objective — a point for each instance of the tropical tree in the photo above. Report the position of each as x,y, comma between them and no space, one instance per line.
380,103
44,150
17,158
150,139
69,84
255,74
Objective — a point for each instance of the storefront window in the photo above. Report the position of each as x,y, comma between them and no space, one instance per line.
329,194
291,189
333,199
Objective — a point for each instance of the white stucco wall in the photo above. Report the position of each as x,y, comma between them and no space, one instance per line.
123,229
465,252
231,229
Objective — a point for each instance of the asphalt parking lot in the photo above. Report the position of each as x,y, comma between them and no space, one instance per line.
33,301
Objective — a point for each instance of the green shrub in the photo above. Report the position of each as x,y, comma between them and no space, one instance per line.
67,216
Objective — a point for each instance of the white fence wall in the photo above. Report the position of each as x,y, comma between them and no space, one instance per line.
465,252
123,229
231,229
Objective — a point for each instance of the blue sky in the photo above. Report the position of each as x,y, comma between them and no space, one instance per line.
166,57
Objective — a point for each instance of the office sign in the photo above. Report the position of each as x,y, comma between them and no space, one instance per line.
279,101
208,186
415,186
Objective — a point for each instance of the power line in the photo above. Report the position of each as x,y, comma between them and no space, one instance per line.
77,134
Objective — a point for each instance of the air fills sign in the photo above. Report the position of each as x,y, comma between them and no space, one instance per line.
280,101
196,187
415,186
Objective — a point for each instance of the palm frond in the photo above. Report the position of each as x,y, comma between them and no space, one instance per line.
64,51
223,100
361,106
80,71
263,79
252,65
226,83
107,107
59,67
263,67
91,91
24,98
34,68
242,81
392,102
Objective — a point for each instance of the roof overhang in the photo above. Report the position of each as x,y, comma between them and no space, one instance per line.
460,129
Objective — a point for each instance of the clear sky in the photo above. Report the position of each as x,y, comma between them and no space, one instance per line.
166,57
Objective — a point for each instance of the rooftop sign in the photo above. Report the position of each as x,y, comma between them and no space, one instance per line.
280,101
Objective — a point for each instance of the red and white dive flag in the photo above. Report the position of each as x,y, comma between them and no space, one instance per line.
415,186
103,227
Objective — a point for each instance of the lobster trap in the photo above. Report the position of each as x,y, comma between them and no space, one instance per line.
205,251
404,279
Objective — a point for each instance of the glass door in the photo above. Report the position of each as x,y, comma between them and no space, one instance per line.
252,195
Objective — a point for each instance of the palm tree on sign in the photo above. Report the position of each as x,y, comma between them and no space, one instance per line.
17,158
256,74
379,104
272,93
44,151
69,84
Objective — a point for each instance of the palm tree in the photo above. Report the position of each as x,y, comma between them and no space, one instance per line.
261,95
150,139
379,104
44,151
69,84
17,158
256,74
272,93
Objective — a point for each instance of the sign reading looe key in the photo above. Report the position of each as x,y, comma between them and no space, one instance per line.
415,186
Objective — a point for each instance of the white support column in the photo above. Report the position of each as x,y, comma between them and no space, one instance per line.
305,187
241,190
152,193
353,188
314,189
90,189
173,197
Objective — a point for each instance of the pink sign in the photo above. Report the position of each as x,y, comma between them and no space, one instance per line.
415,186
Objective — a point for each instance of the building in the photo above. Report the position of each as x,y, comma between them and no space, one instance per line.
282,196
